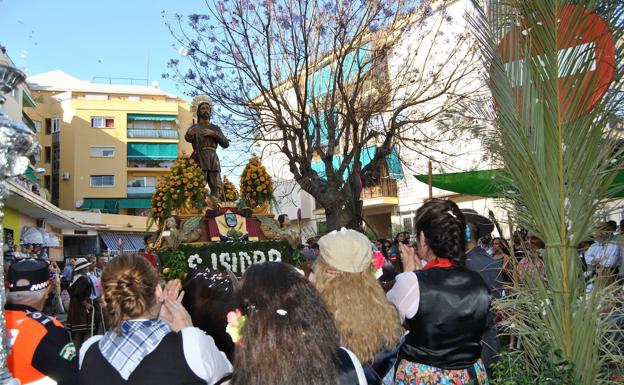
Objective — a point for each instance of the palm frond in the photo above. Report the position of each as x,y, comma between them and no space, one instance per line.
552,136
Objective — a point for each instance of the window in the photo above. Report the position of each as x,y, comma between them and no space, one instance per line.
37,126
142,181
55,125
48,126
166,126
47,154
46,182
96,96
102,180
102,151
102,122
133,98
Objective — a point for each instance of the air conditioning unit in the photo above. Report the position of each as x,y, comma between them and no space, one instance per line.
66,175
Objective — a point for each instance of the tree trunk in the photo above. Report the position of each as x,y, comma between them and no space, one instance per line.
342,207
341,211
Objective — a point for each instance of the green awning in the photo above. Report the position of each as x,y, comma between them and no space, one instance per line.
157,151
28,121
479,183
134,203
492,183
28,100
156,117
30,174
102,204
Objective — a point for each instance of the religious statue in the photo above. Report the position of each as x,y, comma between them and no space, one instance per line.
205,136
170,237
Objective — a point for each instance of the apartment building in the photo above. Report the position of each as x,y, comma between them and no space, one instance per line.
105,145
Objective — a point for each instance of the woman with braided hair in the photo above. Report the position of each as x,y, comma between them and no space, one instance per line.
152,340
444,306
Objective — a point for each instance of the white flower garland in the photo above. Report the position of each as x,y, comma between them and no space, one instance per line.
275,255
236,262
194,261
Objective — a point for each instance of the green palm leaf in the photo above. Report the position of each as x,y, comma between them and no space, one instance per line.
561,157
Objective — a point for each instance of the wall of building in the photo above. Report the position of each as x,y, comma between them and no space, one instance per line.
77,136
12,221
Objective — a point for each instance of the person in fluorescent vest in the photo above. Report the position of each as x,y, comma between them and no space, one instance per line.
41,350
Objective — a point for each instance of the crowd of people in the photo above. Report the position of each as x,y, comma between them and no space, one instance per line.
427,319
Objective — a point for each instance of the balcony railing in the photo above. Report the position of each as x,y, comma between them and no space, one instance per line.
150,163
143,190
387,188
152,133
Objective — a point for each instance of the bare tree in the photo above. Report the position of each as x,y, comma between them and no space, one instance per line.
322,81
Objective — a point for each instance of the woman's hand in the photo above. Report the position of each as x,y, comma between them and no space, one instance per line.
180,318
172,290
171,293
409,258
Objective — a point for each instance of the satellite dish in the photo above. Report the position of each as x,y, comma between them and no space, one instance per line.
79,203
154,84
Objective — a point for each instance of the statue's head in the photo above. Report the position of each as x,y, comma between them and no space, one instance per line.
204,111
173,222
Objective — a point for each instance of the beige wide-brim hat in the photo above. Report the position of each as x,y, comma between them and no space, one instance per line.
81,263
346,250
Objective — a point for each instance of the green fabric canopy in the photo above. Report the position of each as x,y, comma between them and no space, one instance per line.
28,100
158,151
155,117
30,174
102,204
491,183
134,203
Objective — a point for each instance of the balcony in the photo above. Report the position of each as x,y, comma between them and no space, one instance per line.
141,191
153,133
383,194
150,163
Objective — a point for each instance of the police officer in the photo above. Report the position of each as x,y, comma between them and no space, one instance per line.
41,350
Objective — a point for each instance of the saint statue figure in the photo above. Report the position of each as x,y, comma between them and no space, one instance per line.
205,136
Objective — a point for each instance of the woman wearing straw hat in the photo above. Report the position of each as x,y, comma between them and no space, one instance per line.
80,306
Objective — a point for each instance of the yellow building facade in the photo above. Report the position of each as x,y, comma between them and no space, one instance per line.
104,145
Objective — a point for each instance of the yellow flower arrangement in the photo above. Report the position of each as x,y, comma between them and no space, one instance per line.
256,186
185,182
230,191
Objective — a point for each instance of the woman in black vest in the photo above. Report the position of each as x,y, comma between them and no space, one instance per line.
444,305
152,340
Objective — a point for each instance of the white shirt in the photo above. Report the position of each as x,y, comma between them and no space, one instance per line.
606,254
405,295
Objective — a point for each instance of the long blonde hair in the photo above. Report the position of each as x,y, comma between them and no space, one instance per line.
366,321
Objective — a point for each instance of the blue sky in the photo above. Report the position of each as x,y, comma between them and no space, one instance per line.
91,38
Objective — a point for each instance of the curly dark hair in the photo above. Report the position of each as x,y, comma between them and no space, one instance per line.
444,227
297,345
209,296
